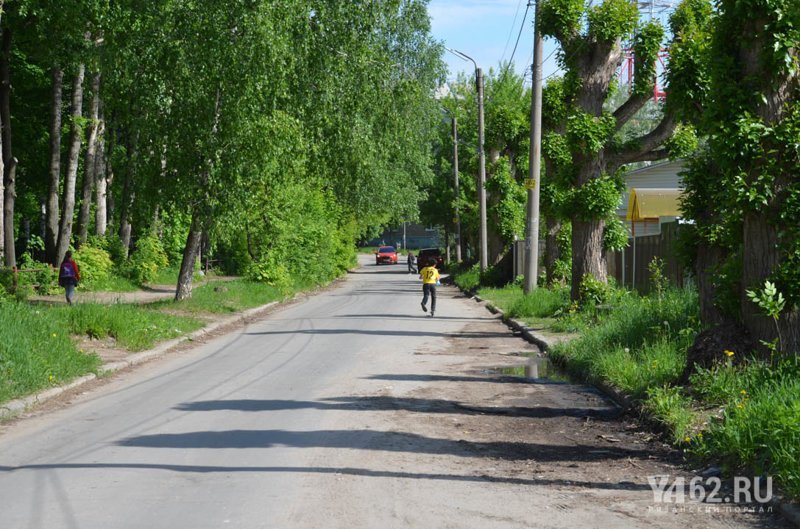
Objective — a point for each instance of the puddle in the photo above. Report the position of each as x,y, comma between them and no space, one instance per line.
536,367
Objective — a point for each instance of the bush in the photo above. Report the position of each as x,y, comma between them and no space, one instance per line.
269,272
94,263
147,259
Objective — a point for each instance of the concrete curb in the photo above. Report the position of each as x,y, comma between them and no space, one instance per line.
15,407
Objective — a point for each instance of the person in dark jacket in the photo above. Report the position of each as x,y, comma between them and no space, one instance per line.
68,276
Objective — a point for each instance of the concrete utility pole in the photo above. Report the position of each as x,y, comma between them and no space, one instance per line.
482,237
534,169
455,189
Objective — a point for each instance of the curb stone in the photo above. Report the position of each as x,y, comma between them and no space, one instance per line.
790,511
17,406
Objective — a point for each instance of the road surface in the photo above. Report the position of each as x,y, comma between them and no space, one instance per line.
348,409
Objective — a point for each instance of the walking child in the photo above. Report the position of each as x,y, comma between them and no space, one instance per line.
69,275
430,278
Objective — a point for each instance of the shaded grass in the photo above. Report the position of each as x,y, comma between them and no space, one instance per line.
36,352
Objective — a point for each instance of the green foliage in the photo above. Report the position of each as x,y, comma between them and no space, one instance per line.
596,198
683,143
612,20
615,234
94,264
270,272
146,260
561,17
588,134
508,212
646,45
592,291
658,279
35,274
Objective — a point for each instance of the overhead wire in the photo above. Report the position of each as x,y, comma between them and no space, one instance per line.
511,31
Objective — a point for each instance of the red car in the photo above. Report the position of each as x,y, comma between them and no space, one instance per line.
386,254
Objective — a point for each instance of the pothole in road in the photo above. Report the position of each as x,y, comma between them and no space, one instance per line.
538,368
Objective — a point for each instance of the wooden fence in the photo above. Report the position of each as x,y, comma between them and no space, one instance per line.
629,266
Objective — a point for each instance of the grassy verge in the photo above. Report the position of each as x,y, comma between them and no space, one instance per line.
134,328
225,297
743,414
38,344
36,352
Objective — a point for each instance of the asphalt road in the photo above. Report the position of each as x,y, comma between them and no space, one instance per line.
224,435
350,409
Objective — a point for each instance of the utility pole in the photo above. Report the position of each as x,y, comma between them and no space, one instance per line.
455,189
484,252
534,168
482,237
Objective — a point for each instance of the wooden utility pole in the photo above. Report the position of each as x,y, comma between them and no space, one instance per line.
534,168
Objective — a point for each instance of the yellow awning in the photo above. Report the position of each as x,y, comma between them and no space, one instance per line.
653,203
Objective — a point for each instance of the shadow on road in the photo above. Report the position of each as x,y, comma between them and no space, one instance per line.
405,404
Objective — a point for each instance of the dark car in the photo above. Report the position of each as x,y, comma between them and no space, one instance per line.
426,254
386,254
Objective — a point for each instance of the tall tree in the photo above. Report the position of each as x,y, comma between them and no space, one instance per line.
76,139
9,162
742,190
90,162
592,51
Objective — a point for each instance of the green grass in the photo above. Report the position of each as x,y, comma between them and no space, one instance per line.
221,297
538,306
670,406
135,328
638,344
36,352
759,428
112,284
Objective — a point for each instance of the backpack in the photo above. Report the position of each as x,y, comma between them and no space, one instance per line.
66,275
67,270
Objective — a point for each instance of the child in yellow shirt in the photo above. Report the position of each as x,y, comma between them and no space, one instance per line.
430,278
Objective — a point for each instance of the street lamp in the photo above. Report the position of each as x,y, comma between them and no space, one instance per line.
484,249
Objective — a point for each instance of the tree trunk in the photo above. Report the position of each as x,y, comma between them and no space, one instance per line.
709,257
9,163
552,252
2,186
128,197
51,204
90,164
588,256
184,290
65,227
101,209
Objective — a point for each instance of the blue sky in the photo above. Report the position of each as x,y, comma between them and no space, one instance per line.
486,30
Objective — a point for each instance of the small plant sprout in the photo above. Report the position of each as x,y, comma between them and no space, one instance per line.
771,302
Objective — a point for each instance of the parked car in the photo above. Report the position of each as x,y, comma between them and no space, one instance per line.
426,254
386,254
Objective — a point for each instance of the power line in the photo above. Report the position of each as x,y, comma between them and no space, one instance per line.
521,27
511,31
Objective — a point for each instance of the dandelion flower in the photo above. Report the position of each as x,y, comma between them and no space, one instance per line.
728,353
